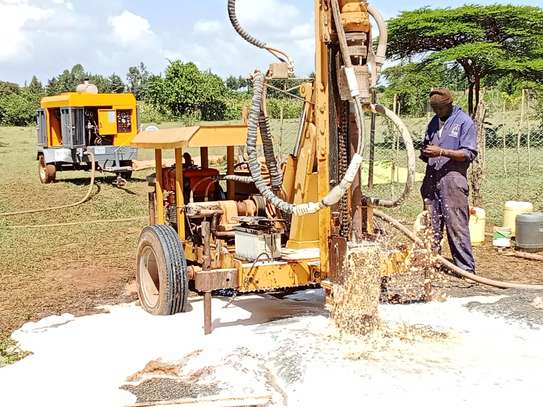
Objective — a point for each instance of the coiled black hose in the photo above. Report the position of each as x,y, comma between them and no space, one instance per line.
239,178
269,153
254,164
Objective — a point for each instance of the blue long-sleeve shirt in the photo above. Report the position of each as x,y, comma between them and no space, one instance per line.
458,133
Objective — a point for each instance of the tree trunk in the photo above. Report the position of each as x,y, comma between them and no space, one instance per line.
477,171
477,92
470,98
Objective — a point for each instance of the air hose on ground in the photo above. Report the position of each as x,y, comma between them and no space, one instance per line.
80,202
443,261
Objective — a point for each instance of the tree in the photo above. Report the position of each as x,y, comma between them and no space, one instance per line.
67,81
116,84
237,84
483,40
137,80
35,87
412,83
8,88
17,109
185,90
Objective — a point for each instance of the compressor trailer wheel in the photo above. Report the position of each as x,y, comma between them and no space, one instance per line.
161,274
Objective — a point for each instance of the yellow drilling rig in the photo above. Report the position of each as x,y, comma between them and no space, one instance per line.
276,227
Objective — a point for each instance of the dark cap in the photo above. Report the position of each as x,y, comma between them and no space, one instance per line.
441,96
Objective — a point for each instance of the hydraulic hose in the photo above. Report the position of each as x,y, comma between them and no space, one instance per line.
411,160
281,55
267,144
239,178
269,153
380,55
237,26
443,261
333,196
80,202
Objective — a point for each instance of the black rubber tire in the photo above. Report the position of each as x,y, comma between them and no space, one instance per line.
46,172
127,175
161,245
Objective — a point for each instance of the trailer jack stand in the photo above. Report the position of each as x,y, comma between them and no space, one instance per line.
208,326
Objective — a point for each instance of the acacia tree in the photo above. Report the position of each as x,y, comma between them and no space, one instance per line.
483,40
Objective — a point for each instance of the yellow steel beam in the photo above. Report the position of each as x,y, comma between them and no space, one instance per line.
179,197
159,188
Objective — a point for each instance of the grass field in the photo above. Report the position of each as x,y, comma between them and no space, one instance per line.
72,269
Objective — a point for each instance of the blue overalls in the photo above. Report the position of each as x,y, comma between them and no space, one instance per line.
445,186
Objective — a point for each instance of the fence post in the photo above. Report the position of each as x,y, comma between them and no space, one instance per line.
504,141
519,135
529,130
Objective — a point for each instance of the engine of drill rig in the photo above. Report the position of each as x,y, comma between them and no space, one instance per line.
244,226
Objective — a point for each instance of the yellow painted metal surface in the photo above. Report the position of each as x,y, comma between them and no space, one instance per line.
159,189
322,115
179,197
196,136
105,100
107,122
277,275
100,101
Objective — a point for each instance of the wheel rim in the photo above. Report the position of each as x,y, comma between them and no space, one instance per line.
149,277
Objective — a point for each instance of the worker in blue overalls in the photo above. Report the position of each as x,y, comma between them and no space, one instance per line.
449,147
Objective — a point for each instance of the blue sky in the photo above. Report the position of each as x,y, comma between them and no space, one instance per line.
43,37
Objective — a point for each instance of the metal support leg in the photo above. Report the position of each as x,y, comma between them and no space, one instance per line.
208,328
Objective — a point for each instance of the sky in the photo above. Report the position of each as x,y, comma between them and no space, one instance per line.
44,37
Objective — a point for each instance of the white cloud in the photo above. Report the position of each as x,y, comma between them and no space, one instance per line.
267,13
15,18
131,29
208,26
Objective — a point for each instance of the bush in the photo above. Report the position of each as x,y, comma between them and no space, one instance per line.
17,110
150,114
292,109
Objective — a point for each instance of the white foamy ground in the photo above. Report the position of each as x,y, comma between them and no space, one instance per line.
298,358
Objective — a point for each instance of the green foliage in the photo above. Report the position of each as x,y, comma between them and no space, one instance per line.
237,84
185,90
68,80
10,352
149,114
137,80
484,40
411,84
115,84
17,109
7,88
234,103
292,108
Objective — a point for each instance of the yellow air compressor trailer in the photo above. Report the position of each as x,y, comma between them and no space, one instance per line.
75,126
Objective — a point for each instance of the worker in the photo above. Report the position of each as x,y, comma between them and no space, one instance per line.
450,145
187,161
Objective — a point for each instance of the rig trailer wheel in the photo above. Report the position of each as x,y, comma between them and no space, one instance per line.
47,172
161,275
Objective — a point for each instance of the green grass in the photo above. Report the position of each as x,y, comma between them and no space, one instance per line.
10,352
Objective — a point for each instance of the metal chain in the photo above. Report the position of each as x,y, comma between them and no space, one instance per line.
343,164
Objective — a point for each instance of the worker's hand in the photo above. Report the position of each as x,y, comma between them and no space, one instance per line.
432,151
